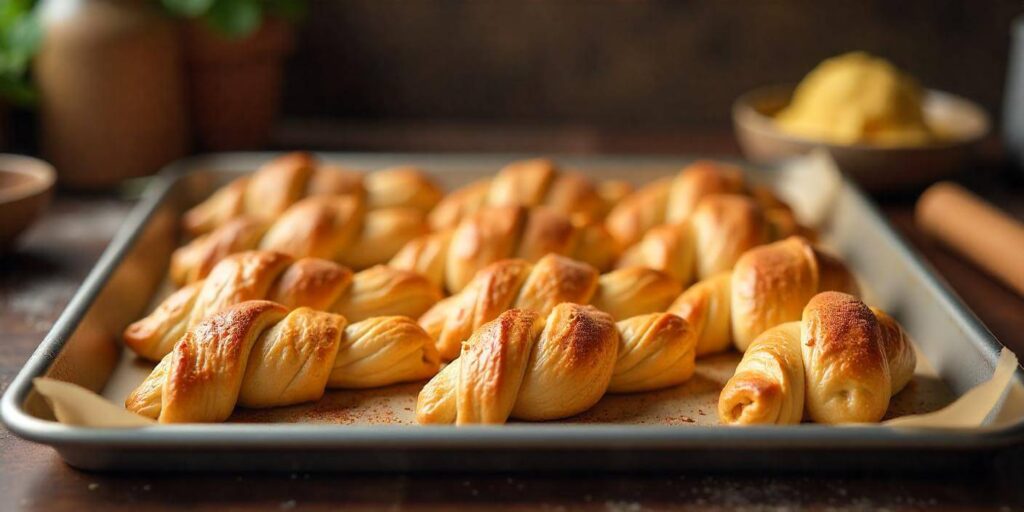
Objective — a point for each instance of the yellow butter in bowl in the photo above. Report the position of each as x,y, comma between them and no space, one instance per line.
857,98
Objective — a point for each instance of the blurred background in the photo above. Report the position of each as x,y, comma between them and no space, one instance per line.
429,71
619,63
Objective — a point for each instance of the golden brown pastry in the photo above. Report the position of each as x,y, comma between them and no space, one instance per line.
673,200
536,182
840,364
309,282
898,350
526,366
516,283
257,354
331,227
451,258
768,286
768,386
656,350
845,364
720,229
281,182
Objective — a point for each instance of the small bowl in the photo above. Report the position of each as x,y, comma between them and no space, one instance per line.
25,187
874,167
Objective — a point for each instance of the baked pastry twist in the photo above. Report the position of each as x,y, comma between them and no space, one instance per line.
536,182
281,182
539,287
450,258
840,364
718,231
257,354
309,282
331,227
672,200
768,286
531,367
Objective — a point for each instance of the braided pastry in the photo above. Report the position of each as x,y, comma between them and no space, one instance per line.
539,287
673,200
257,354
531,367
451,258
718,231
768,286
537,182
331,227
840,364
309,282
281,182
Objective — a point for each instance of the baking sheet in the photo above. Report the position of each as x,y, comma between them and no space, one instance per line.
83,348
808,187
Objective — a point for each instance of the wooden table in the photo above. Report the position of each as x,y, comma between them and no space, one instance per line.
38,279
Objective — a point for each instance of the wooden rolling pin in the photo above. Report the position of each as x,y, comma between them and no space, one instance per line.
979,231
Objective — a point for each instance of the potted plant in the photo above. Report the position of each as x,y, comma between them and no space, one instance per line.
19,40
234,52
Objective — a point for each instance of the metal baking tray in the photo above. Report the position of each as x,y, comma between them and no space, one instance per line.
83,347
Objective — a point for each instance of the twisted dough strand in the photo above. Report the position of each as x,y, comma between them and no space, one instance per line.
539,287
673,200
331,227
536,182
452,257
768,286
720,228
841,363
527,366
309,282
268,192
257,354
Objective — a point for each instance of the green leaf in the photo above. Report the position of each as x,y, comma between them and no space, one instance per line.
20,37
188,8
236,18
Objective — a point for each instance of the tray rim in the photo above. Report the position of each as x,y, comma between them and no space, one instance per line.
546,437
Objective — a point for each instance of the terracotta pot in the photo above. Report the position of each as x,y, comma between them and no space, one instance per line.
235,84
111,85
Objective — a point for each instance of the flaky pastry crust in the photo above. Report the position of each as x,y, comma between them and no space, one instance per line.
257,354
309,282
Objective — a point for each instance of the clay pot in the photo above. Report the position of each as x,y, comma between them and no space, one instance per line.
111,86
26,185
235,84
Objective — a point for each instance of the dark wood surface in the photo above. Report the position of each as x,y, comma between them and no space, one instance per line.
38,278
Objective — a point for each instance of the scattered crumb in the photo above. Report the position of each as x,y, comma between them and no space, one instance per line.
287,505
93,486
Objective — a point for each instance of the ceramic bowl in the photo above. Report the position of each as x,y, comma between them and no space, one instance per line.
874,167
25,187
